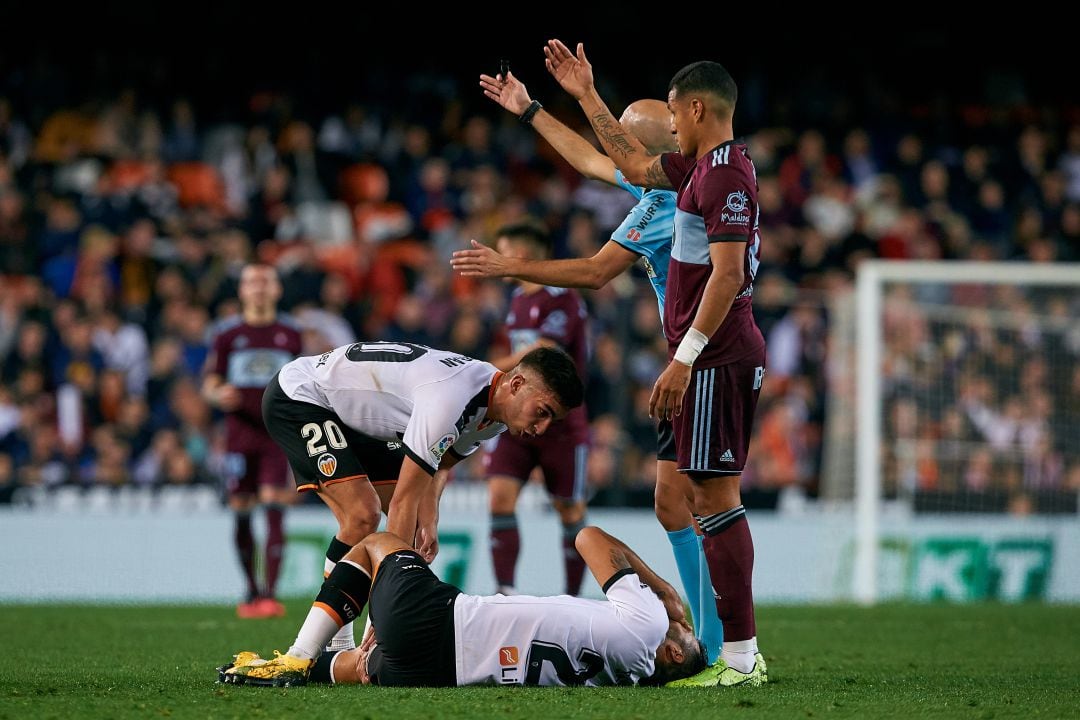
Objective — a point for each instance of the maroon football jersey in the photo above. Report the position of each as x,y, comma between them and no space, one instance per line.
717,202
559,315
248,357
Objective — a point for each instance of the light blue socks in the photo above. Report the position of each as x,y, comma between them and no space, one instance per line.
711,630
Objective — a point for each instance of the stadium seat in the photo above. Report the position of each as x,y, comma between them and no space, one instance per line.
197,185
364,183
325,223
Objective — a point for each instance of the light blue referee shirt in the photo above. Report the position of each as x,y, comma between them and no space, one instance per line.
647,231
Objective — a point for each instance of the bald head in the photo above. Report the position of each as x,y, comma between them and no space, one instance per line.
650,122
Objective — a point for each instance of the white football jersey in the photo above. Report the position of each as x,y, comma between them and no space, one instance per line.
562,640
429,400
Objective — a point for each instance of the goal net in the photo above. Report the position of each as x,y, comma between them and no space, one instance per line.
954,390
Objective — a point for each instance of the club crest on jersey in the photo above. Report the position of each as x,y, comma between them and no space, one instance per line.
327,464
439,449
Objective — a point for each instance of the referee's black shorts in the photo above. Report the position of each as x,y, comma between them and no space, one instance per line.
413,614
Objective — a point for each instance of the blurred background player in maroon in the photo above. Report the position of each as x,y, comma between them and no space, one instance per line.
246,353
539,316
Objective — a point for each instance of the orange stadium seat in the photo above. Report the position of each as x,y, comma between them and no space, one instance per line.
197,184
127,175
364,183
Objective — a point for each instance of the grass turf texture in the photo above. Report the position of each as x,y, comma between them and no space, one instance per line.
986,661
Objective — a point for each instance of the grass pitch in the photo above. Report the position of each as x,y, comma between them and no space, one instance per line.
898,661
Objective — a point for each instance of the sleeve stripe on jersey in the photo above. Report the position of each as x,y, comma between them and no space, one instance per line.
629,246
616,577
728,237
419,460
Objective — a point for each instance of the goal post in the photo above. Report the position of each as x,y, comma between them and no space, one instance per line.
874,278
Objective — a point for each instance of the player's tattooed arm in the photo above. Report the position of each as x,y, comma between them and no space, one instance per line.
612,134
655,177
630,156
607,556
618,560
574,73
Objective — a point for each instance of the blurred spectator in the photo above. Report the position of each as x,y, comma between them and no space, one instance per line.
182,138
809,164
125,222
124,348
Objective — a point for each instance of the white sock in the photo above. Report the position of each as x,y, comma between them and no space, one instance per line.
343,639
739,654
317,629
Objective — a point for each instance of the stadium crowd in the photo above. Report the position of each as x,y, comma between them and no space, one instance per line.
124,226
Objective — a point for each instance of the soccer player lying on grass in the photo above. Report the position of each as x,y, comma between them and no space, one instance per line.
429,633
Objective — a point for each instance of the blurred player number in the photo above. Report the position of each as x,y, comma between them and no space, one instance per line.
966,569
305,552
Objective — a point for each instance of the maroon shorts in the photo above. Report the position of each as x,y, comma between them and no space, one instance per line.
246,472
562,461
712,435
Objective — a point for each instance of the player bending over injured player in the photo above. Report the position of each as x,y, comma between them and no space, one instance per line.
429,633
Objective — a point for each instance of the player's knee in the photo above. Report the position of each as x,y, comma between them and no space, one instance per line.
718,493
276,496
242,503
358,525
502,507
570,511
502,497
379,539
372,549
671,507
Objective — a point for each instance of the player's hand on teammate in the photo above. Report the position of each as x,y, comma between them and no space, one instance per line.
572,72
666,400
480,261
508,91
426,541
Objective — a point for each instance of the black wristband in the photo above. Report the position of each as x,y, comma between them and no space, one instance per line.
530,112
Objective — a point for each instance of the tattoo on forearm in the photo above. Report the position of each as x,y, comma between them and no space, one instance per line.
655,177
609,130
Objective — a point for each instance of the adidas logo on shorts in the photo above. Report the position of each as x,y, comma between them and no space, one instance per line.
727,457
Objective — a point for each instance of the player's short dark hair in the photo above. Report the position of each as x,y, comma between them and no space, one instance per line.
531,232
558,371
705,76
694,661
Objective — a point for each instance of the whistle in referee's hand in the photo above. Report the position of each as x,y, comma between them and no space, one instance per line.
504,70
